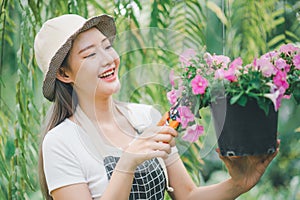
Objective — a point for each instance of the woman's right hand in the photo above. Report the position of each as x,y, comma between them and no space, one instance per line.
153,142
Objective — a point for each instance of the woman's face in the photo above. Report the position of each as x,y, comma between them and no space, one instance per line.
93,65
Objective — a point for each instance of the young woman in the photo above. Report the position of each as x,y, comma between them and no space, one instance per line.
99,148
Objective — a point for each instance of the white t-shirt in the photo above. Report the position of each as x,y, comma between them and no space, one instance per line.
68,160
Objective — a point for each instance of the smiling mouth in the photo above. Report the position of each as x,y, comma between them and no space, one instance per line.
107,74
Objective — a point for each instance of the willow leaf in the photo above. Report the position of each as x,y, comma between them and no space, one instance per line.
218,11
292,35
277,39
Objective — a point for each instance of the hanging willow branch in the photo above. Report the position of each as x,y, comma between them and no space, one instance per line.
3,12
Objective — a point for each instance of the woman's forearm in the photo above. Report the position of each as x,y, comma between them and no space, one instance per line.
119,186
226,190
185,188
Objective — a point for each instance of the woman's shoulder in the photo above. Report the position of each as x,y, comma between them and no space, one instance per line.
66,126
63,133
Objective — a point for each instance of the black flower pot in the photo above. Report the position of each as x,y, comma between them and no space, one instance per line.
245,130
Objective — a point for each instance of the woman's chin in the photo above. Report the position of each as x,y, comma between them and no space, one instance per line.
117,88
110,88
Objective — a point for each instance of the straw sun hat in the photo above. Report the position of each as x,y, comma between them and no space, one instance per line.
54,41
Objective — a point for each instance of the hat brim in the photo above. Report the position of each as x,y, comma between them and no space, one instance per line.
104,23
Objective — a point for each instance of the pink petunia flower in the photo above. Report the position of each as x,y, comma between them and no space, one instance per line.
193,133
220,74
199,84
231,78
172,96
274,98
288,49
236,63
273,87
254,65
186,116
270,55
282,65
280,97
280,79
229,74
221,60
266,67
296,61
186,57
276,95
208,59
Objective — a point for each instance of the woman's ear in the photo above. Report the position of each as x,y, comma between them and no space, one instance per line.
63,76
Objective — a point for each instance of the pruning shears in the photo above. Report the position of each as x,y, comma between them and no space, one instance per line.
170,118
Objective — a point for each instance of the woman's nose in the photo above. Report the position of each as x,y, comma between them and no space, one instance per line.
107,58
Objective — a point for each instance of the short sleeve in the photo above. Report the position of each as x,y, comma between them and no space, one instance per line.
61,167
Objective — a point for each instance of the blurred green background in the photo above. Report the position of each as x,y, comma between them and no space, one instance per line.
151,35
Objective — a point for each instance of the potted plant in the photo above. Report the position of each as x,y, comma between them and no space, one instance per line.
244,99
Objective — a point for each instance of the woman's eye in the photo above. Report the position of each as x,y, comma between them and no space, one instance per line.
108,47
90,55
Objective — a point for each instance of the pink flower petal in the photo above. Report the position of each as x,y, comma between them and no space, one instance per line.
221,60
226,74
274,98
193,133
220,74
282,65
186,116
280,79
208,59
199,85
288,48
270,55
230,75
236,63
296,61
266,67
172,96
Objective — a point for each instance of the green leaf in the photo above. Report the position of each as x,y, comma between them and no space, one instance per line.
243,100
235,98
264,105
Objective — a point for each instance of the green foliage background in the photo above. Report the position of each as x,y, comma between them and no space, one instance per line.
235,28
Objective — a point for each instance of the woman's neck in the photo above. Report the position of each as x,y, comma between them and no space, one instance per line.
98,109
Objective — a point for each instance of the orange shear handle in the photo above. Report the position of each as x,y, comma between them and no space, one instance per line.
166,120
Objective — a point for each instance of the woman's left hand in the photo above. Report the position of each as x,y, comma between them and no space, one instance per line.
246,171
